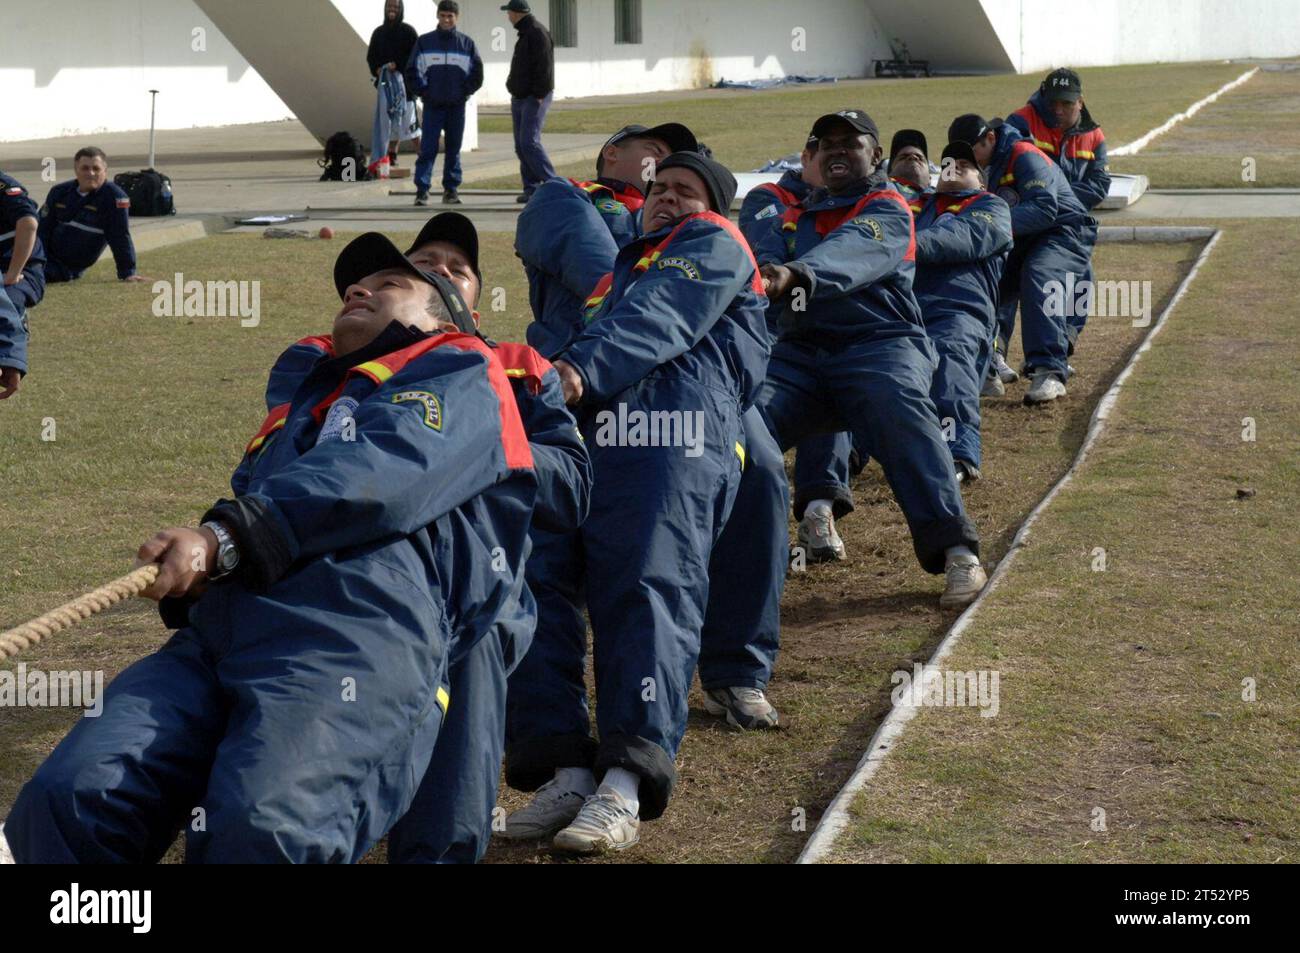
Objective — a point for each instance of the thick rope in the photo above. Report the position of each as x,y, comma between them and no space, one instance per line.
69,614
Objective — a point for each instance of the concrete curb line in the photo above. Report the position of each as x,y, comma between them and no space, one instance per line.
836,818
1137,145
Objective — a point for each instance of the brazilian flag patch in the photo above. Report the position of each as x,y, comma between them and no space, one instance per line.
432,406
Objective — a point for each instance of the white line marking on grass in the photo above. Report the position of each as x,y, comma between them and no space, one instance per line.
836,818
1137,145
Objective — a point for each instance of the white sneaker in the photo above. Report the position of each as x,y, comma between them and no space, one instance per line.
1000,367
744,708
818,538
993,386
6,855
965,579
551,809
1046,387
605,823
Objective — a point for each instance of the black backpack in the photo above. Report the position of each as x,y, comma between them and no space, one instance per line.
345,160
150,192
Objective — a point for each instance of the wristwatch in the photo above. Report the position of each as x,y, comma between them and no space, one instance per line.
227,552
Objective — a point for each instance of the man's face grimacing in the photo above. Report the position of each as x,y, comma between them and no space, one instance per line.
633,160
675,193
374,302
959,175
911,165
846,156
1066,113
447,20
91,172
450,261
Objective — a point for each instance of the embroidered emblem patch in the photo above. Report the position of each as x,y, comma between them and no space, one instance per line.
684,265
432,406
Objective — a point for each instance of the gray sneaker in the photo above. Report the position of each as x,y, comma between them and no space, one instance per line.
818,538
551,809
605,823
744,708
1045,387
1000,366
965,577
993,386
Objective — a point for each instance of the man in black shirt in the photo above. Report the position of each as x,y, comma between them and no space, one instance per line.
531,83
390,47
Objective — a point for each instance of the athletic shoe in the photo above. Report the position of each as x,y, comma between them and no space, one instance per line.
451,197
744,708
1046,387
993,386
551,809
6,855
392,159
967,472
422,197
1003,369
965,579
818,538
605,823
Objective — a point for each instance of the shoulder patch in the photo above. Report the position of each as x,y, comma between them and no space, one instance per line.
768,212
123,203
684,265
429,401
872,225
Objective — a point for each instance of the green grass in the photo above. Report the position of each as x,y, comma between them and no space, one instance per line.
1122,689
747,128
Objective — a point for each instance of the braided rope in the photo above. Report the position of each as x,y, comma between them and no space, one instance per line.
69,614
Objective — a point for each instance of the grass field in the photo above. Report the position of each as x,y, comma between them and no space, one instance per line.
152,413
1124,690
1127,101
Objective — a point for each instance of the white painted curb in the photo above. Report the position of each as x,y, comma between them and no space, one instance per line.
1137,145
836,818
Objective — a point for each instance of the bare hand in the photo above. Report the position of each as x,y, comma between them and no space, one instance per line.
570,380
185,556
13,279
777,280
9,381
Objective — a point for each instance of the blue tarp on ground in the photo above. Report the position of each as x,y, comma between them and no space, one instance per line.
771,83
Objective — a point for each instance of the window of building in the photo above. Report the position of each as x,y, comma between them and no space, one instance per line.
627,21
564,22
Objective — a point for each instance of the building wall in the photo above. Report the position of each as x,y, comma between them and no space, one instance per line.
65,72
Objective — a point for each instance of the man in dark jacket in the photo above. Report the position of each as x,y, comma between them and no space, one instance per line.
390,48
531,83
446,70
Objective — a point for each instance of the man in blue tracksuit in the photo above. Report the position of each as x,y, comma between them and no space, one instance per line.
853,353
22,264
450,820
1057,120
445,70
671,354
82,216
963,235
292,715
1054,236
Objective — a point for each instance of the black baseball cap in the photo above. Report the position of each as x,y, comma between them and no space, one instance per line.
372,252
456,229
677,136
960,150
518,6
969,129
718,180
1062,84
857,118
908,137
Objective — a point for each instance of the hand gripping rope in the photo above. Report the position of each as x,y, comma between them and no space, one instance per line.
69,614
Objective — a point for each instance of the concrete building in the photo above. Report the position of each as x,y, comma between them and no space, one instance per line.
72,67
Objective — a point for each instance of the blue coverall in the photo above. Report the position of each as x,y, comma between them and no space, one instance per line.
16,205
293,715
75,228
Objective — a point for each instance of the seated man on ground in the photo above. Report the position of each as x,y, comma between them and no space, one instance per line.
82,216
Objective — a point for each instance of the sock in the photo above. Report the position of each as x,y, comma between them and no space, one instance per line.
953,553
819,506
579,780
626,784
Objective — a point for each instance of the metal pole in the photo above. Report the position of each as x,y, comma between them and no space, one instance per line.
153,100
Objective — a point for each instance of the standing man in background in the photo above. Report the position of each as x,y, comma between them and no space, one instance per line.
531,84
390,48
446,70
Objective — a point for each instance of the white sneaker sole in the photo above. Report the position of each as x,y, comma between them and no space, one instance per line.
578,844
